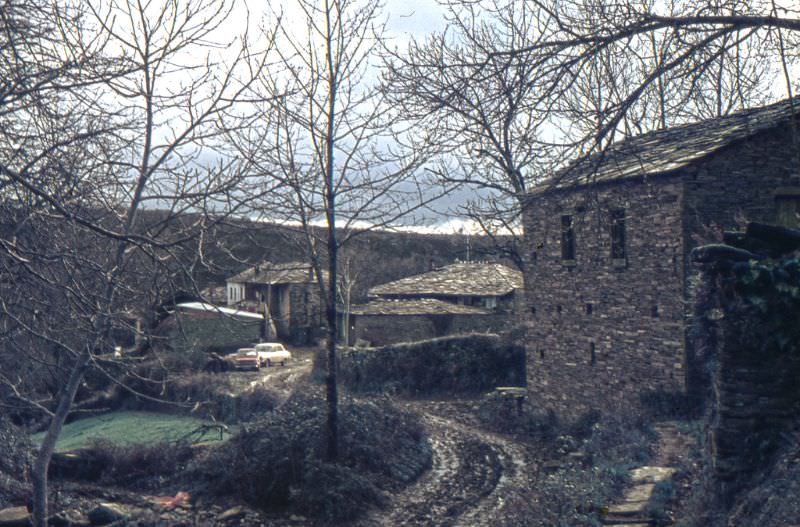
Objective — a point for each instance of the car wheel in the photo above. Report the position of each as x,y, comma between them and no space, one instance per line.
283,363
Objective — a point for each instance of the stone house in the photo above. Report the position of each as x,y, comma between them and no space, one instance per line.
608,276
458,298
290,293
199,327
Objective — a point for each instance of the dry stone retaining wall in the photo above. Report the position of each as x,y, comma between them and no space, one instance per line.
747,326
475,362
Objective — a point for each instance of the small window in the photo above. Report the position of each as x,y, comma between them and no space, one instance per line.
558,309
490,302
589,308
533,310
541,353
592,354
654,312
618,234
567,238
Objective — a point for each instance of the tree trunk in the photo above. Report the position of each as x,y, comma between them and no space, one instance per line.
330,379
45,454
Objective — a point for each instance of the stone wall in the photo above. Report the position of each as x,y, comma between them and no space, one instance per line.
738,183
633,339
602,331
470,363
735,184
746,320
305,314
380,330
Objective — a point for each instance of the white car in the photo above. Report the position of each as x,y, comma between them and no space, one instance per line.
270,353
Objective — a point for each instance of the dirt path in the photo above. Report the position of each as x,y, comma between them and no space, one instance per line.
475,480
280,380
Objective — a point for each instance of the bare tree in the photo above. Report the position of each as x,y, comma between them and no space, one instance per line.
485,106
140,114
720,77
515,89
692,60
337,157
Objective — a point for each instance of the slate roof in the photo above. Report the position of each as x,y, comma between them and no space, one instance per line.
272,273
420,306
663,151
458,279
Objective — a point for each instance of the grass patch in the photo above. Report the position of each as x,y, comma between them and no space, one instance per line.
132,428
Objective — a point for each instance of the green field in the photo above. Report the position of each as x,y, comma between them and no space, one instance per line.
127,428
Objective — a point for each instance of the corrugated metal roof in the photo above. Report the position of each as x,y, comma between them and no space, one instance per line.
663,151
271,273
458,279
421,306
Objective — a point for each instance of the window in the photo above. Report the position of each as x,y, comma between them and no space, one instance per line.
787,207
618,234
592,354
567,238
589,308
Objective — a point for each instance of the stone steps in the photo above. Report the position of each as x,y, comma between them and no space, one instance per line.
631,510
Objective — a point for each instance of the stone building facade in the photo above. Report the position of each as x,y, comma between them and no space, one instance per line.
608,275
383,322
288,291
463,297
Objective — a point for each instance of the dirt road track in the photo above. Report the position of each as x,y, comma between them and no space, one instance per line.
476,479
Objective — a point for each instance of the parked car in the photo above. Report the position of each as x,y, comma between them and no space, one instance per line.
270,353
246,359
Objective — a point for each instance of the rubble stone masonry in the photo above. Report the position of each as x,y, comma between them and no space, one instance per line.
604,328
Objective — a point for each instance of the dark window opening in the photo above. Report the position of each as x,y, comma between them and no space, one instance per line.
654,312
533,310
589,309
541,353
592,353
618,234
567,238
558,309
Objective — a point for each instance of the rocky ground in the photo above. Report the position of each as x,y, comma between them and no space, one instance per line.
477,477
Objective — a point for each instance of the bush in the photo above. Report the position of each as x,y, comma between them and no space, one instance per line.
209,396
589,460
14,463
135,466
278,464
504,415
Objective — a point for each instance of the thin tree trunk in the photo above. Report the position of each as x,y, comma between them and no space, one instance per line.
45,453
330,379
